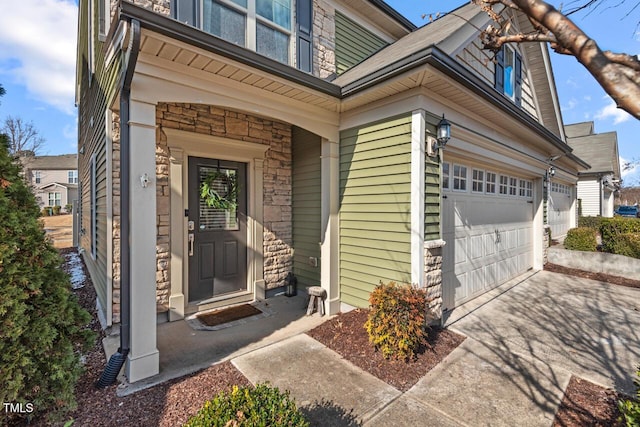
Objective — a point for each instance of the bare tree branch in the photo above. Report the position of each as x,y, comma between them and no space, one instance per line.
617,73
24,138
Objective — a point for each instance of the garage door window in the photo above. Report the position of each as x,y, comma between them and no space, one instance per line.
477,183
513,186
445,176
504,185
459,178
491,183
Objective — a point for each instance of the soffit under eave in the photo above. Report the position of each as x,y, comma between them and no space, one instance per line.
444,89
173,51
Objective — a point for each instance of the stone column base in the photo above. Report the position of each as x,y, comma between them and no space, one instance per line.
433,276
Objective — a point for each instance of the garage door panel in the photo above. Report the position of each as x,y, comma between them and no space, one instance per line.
489,241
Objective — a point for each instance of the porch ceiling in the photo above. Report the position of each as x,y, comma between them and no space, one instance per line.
168,49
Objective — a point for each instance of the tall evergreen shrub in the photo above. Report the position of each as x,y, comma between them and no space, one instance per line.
41,323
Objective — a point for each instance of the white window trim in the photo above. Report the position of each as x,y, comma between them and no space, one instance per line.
505,185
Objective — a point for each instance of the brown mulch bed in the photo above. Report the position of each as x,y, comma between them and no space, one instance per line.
168,404
587,404
345,334
615,280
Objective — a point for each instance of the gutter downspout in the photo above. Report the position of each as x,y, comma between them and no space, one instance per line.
118,359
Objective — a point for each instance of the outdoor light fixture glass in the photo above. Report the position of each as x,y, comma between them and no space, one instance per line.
443,132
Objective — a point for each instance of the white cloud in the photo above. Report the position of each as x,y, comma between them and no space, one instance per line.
571,104
38,48
611,111
587,98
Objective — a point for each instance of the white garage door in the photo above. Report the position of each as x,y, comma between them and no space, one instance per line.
559,209
487,224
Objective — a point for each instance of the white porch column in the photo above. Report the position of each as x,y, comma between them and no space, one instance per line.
418,136
178,230
329,245
143,360
256,205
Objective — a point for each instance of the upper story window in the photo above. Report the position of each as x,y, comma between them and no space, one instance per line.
264,26
508,73
72,177
37,177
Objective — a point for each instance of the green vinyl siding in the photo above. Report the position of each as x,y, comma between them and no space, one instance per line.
96,92
375,207
353,43
306,206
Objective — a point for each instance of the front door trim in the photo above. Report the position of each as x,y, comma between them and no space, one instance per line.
181,145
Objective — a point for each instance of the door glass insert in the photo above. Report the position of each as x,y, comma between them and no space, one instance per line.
218,201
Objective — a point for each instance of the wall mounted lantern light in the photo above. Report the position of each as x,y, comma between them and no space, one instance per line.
443,134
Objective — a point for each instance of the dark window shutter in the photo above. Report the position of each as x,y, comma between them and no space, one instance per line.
518,71
304,42
499,71
185,11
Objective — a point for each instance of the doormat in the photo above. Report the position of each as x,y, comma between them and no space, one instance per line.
227,315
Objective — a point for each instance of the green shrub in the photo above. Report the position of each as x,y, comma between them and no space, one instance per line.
397,319
581,239
68,208
46,211
248,406
56,210
630,409
590,222
612,228
41,322
628,244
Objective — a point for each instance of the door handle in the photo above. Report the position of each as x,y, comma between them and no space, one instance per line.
191,239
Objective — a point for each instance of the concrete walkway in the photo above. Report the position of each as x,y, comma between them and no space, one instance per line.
522,348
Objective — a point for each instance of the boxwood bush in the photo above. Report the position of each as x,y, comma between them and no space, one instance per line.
581,239
628,244
397,322
41,322
612,228
247,406
590,222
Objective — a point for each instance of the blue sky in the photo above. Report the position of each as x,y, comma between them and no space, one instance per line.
37,68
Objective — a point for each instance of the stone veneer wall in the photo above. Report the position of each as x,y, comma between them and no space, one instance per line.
324,39
162,7
277,219
433,276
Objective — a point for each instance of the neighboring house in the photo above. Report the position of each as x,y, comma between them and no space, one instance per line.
314,121
598,185
54,178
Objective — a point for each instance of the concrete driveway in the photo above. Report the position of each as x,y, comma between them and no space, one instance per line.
524,342
588,328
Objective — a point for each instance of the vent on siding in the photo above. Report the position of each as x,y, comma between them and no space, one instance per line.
354,43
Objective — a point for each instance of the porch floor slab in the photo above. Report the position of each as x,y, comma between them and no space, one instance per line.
184,350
